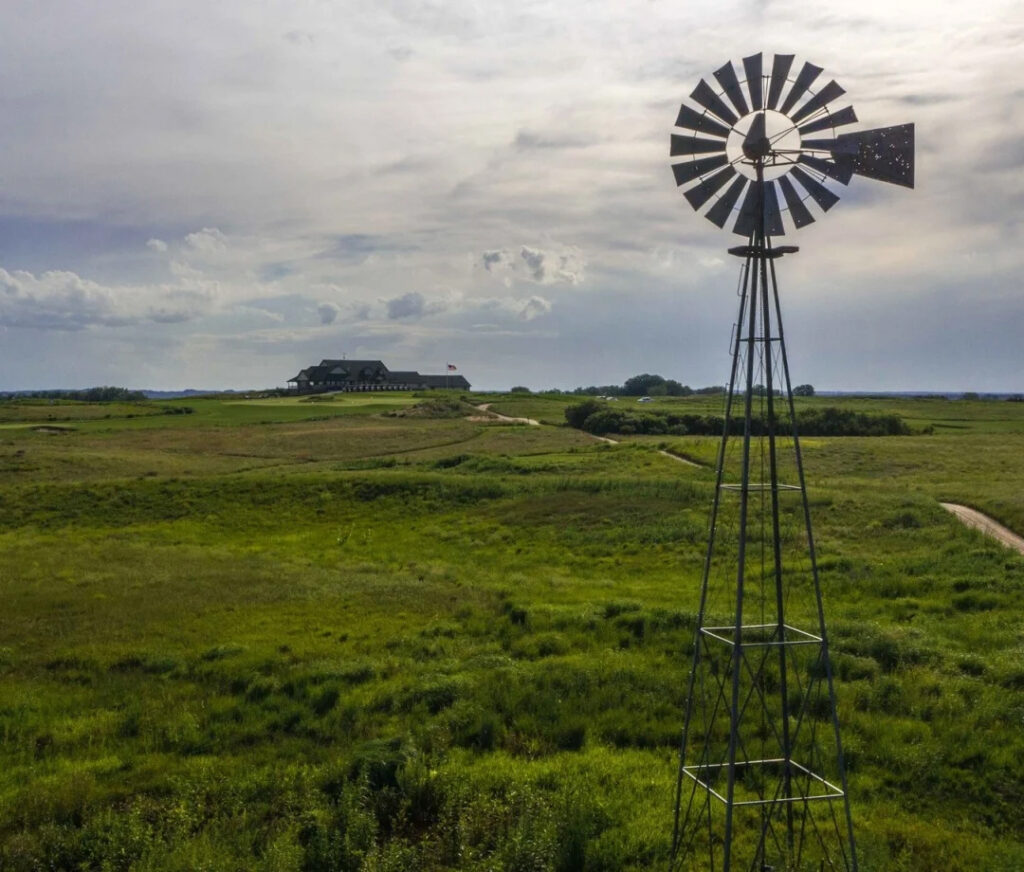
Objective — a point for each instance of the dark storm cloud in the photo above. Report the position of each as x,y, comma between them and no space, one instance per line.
412,305
328,312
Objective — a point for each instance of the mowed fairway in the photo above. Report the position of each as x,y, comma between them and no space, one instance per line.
282,635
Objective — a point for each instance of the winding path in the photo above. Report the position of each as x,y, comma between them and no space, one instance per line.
486,407
661,451
988,526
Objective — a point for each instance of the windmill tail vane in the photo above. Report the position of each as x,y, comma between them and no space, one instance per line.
762,781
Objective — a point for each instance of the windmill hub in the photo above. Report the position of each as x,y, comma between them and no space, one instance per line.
766,136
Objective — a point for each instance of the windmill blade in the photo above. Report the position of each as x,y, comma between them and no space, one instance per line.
830,145
752,67
706,97
726,76
687,172
683,145
804,80
780,72
800,214
698,195
819,193
719,213
841,171
832,91
830,121
747,221
772,214
885,154
692,120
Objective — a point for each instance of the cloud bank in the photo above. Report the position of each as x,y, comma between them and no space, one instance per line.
486,181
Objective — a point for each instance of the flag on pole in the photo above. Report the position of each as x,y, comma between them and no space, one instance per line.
451,367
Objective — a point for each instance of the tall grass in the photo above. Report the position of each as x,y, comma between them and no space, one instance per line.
373,643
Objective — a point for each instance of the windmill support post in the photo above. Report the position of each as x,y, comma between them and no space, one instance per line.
785,828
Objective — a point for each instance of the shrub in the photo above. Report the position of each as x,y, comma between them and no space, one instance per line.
599,419
576,414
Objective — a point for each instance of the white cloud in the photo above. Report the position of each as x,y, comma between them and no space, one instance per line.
156,245
62,300
534,308
543,266
207,240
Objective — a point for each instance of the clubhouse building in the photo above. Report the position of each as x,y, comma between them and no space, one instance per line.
368,375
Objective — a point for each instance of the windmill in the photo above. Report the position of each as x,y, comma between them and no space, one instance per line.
762,779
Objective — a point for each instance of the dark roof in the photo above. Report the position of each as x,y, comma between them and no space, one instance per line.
355,365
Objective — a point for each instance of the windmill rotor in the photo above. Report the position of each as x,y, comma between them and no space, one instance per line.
775,141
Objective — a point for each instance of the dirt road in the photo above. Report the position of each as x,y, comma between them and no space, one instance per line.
486,407
667,454
977,520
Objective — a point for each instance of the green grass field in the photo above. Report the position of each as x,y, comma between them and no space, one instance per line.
283,635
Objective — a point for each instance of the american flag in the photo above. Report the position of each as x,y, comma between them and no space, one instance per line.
451,367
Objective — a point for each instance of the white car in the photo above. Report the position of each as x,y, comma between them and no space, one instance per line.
645,400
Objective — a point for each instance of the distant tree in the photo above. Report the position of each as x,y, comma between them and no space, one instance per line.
639,385
519,389
803,391
598,391
104,394
969,395
711,389
674,389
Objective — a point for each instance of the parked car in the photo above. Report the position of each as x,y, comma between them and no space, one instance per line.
645,400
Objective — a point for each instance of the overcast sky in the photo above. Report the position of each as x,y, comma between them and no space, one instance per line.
199,194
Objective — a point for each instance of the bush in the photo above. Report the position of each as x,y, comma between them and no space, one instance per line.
578,413
597,418
433,408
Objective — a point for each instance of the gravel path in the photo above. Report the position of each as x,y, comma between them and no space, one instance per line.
486,407
977,520
679,459
667,454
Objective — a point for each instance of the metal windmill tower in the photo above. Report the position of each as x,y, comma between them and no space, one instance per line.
762,781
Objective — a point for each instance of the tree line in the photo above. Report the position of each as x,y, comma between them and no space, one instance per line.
600,419
652,385
103,394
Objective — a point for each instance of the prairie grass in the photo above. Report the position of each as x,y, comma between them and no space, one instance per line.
249,639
